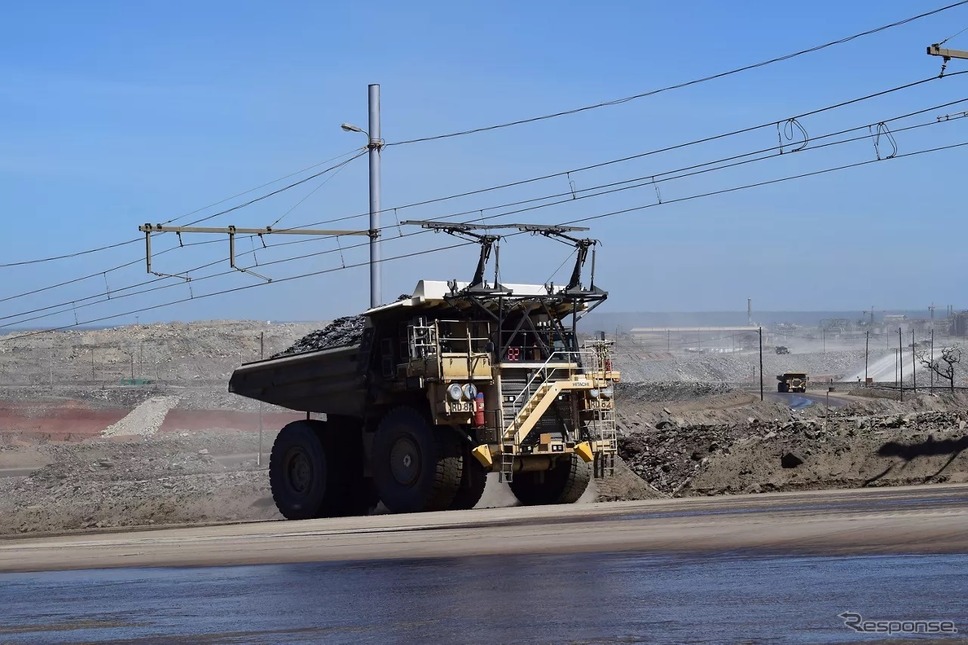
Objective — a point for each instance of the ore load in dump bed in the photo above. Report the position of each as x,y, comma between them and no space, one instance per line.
432,392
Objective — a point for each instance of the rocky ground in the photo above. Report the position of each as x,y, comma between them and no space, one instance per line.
867,442
135,482
77,453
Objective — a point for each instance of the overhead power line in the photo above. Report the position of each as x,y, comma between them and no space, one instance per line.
639,155
354,151
66,256
266,196
509,124
438,249
359,152
584,193
669,88
955,35
770,182
603,189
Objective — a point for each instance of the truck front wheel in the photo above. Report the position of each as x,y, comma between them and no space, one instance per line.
563,484
416,467
303,473
472,481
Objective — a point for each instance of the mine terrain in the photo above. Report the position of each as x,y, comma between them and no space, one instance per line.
134,427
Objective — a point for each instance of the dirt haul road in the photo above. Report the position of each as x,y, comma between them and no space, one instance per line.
924,519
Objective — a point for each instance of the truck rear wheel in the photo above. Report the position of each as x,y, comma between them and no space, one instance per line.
415,466
563,484
472,481
305,479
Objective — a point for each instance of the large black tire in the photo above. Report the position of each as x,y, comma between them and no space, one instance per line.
415,466
472,480
563,484
305,476
782,387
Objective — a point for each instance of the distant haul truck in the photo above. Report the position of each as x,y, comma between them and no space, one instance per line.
446,385
792,382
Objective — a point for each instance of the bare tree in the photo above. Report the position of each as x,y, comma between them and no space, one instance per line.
944,366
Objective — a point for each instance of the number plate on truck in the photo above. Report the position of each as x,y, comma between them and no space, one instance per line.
461,406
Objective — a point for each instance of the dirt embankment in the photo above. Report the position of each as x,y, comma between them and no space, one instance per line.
865,443
136,481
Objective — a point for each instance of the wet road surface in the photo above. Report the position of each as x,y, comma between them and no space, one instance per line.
592,597
917,519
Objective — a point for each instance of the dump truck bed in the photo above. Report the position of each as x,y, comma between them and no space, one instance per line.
328,381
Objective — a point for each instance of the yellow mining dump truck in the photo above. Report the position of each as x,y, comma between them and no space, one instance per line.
792,382
446,385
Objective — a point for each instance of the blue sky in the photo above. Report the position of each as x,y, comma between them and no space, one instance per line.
115,113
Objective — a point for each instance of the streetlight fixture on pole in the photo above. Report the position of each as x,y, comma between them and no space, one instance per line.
374,145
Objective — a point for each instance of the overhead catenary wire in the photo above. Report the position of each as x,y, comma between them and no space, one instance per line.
640,181
769,182
273,193
228,291
653,92
955,35
438,249
354,151
606,163
585,191
682,173
669,88
325,181
640,155
623,185
107,247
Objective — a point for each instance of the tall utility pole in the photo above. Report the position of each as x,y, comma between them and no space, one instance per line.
914,368
900,363
867,353
895,367
375,144
931,371
262,355
761,363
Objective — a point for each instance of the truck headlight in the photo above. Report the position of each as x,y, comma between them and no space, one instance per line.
470,391
454,391
594,393
608,392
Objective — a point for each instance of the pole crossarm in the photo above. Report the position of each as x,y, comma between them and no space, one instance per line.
231,231
936,50
946,55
